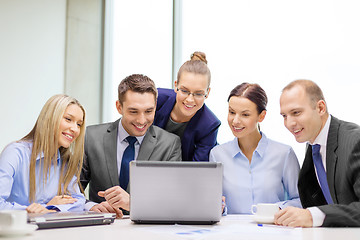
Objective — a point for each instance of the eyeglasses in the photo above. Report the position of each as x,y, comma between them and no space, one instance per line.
187,93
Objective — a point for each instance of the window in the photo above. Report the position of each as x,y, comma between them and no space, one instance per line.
266,42
138,40
272,43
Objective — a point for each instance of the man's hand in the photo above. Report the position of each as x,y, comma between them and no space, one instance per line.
61,199
105,207
38,208
116,197
293,217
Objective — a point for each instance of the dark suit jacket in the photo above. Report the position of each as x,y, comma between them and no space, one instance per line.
100,159
343,176
200,133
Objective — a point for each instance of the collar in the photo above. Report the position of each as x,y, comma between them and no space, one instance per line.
260,149
122,134
29,145
321,139
41,155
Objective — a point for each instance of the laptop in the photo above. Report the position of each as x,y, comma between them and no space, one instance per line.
70,219
175,192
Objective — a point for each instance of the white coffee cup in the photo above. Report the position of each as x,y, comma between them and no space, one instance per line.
265,210
12,219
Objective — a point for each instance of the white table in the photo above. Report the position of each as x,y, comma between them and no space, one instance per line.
230,227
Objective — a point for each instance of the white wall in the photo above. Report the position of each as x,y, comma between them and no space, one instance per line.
32,53
83,61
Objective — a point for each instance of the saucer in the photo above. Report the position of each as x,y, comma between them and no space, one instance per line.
263,219
27,229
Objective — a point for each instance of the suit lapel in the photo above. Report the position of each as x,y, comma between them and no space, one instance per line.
110,146
148,144
331,156
187,141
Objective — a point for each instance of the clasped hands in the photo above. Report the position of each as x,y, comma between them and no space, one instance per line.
57,200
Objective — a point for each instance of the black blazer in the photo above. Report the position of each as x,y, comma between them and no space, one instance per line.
343,176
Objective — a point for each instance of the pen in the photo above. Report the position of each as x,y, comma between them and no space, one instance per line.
273,225
268,225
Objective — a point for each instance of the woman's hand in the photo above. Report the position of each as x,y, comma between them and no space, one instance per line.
38,208
63,199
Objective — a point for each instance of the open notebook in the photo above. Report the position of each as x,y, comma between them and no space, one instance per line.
175,192
70,219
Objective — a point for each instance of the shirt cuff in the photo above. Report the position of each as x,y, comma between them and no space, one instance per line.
281,204
52,207
317,215
89,205
225,210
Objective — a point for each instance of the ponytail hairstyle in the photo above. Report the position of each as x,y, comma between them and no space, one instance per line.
197,64
253,92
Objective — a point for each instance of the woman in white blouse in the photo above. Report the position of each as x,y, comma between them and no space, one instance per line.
256,168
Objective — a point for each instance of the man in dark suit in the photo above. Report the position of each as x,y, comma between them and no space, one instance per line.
329,180
105,166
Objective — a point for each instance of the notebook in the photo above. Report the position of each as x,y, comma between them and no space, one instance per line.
70,219
175,192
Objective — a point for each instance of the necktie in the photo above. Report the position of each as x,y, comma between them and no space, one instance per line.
128,156
321,172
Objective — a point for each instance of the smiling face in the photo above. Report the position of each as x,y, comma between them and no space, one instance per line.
138,111
70,125
303,118
243,117
187,105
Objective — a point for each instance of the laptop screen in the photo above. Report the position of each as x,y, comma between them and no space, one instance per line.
175,192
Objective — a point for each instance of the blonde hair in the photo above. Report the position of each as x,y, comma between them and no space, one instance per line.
197,64
45,135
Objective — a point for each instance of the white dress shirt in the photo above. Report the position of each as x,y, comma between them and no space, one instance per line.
317,215
122,144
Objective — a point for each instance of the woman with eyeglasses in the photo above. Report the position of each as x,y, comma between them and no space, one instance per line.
40,172
182,110
256,168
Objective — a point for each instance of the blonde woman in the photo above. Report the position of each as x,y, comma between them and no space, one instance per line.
40,172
